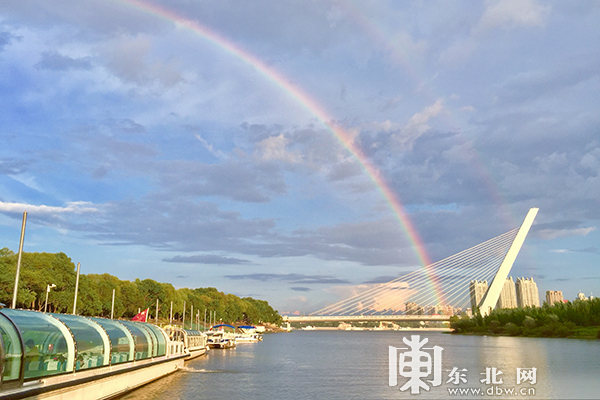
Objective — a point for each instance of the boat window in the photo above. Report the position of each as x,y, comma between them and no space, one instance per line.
176,335
194,338
92,342
161,347
143,341
49,347
122,342
153,338
12,350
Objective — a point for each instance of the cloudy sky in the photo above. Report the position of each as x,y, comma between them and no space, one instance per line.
249,146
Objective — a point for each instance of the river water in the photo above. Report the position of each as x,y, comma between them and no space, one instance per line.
355,365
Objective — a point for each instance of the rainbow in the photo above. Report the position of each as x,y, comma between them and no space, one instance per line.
315,109
376,32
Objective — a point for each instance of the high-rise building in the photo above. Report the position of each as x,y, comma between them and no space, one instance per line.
508,295
410,308
477,289
527,293
554,296
447,310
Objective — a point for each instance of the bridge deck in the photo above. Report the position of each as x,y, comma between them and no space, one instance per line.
357,318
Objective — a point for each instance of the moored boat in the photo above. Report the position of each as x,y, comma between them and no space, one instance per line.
58,356
247,334
195,343
221,336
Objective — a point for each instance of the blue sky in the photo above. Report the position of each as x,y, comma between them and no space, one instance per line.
142,149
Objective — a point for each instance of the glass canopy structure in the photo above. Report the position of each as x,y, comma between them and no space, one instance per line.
34,345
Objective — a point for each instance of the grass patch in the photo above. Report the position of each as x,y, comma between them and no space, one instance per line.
587,332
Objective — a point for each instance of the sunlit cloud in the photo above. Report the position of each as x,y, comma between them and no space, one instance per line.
80,207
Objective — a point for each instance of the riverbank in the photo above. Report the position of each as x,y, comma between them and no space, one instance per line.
586,333
579,319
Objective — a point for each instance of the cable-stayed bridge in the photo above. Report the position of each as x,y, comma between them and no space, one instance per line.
437,291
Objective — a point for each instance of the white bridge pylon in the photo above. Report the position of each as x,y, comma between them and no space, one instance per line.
442,285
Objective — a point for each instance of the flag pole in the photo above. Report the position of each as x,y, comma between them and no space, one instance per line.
112,307
14,300
156,317
76,290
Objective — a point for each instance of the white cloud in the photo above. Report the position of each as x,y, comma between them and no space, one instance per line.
505,14
79,207
549,234
417,124
28,181
384,296
590,161
512,13
274,148
209,147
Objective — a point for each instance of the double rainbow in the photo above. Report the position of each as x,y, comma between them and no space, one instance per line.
315,109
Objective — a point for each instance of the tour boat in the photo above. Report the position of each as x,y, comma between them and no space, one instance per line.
247,334
60,356
221,336
194,342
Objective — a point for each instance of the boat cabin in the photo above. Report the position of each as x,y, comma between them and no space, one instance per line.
36,345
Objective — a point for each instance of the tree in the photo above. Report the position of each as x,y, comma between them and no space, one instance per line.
6,252
38,270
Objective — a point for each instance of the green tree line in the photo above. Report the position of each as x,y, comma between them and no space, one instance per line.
95,293
573,318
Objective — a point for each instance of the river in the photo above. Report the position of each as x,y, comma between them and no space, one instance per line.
355,365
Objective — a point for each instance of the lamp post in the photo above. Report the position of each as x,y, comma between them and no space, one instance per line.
48,287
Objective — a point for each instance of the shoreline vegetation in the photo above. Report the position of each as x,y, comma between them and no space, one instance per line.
579,319
95,293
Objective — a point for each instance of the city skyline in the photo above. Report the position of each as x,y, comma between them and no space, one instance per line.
300,153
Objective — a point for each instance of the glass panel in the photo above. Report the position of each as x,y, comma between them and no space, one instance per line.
89,340
162,343
12,350
120,340
151,335
142,340
190,336
46,347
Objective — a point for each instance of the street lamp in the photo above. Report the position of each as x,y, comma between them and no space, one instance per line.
48,291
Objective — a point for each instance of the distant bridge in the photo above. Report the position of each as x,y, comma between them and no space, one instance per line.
365,318
434,292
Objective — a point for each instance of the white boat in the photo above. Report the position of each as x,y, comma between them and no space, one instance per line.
60,356
221,336
247,334
308,328
195,343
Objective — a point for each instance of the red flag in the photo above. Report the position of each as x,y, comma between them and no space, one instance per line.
143,316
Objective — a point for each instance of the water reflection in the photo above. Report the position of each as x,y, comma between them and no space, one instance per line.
346,365
507,354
